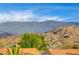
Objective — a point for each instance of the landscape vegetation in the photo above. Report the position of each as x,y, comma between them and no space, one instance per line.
39,29
62,37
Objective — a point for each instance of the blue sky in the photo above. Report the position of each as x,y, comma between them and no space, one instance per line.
39,12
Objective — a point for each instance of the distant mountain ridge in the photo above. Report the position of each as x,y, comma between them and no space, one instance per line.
21,27
5,34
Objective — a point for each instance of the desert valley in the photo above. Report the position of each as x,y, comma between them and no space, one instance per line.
42,38
39,29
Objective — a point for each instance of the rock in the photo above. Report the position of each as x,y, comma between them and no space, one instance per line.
63,37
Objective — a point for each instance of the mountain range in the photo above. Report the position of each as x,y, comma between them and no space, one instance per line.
21,27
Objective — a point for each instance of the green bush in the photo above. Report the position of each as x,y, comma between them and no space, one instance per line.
32,40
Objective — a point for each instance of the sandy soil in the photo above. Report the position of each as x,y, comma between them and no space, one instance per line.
64,51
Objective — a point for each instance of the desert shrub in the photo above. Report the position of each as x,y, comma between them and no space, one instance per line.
76,46
31,40
13,46
69,45
62,44
13,51
2,43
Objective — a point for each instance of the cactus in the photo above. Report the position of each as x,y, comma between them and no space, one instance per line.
13,51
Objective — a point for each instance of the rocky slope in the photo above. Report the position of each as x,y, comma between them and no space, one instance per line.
64,37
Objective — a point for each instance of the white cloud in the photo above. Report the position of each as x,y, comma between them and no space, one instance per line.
55,18
28,15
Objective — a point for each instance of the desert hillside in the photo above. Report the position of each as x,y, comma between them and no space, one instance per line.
63,37
9,41
66,37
